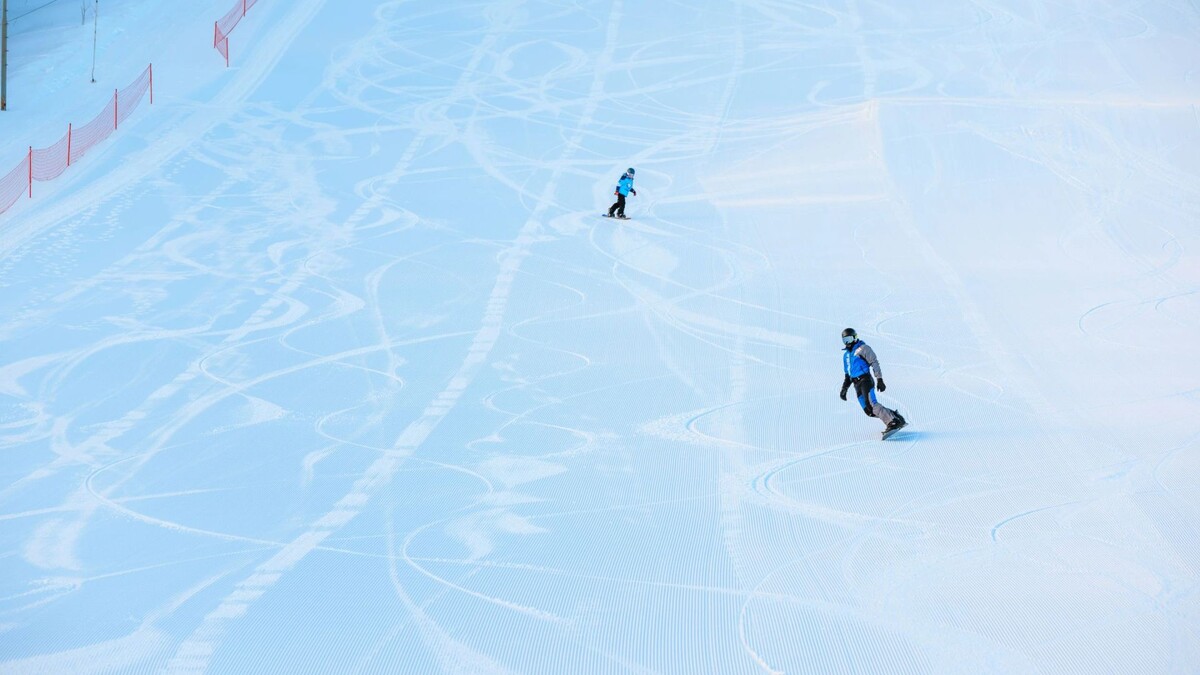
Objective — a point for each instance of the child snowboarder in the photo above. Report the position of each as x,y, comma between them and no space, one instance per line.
858,361
624,187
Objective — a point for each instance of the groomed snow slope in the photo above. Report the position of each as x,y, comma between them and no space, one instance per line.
327,362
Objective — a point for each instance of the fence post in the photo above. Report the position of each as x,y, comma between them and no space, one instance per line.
30,157
68,144
115,104
151,84
243,8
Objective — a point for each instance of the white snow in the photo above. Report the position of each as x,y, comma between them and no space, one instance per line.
327,362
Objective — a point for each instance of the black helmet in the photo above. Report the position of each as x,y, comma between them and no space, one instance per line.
629,171
849,336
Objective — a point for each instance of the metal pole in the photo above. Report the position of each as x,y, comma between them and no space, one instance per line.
95,32
4,55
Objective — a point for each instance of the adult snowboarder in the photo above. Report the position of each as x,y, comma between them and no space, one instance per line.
858,361
624,187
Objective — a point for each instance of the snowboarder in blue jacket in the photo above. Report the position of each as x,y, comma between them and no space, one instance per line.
858,361
624,187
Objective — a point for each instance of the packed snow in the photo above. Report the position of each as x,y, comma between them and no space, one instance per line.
328,362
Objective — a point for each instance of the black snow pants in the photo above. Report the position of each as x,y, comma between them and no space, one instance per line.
864,387
619,206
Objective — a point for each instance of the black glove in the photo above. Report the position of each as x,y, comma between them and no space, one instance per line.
845,388
882,386
633,192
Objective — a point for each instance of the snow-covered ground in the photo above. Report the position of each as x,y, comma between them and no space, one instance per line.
326,362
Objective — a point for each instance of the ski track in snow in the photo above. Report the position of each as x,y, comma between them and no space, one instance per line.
384,384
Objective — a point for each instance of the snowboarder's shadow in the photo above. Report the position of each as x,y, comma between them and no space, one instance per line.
906,435
912,435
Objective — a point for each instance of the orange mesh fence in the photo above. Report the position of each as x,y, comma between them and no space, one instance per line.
49,163
131,96
225,25
91,134
14,184
43,164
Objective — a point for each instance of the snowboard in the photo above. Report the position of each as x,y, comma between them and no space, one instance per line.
888,433
618,217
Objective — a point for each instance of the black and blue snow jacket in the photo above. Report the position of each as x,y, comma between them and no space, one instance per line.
625,185
859,359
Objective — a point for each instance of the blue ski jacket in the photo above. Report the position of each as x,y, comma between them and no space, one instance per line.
858,359
625,185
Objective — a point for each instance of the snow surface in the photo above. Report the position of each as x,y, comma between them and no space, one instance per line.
326,362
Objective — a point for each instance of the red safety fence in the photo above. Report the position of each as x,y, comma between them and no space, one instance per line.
42,164
225,25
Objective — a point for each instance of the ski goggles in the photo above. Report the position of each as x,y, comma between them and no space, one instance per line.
848,339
